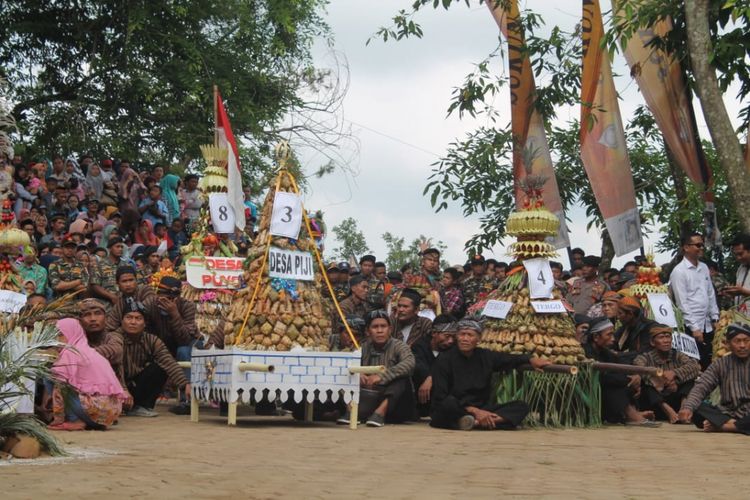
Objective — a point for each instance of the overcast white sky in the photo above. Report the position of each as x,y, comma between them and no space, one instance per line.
397,103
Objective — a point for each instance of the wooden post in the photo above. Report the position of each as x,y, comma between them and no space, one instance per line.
232,414
194,409
308,412
353,415
216,115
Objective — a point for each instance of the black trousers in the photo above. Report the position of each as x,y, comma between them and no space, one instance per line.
401,401
651,399
614,402
147,385
706,349
512,412
718,418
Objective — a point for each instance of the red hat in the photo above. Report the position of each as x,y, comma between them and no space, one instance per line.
107,163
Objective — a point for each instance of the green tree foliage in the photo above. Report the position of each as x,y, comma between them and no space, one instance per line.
135,79
352,240
399,254
476,171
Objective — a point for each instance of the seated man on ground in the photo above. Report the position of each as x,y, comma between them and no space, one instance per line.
426,351
390,393
147,364
173,318
731,374
664,395
462,387
92,316
633,337
86,393
619,390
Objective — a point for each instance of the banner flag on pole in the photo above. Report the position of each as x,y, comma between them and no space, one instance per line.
603,148
662,85
234,177
526,122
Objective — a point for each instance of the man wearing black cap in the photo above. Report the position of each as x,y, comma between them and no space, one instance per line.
173,320
354,309
130,292
731,374
67,275
375,294
477,286
104,279
92,316
146,363
332,272
588,290
341,288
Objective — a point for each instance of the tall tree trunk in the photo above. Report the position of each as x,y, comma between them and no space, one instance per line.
719,125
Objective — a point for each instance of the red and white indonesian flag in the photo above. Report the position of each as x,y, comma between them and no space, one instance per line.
234,178
526,122
603,148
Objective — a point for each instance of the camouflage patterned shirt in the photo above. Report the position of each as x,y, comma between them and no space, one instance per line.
60,270
476,288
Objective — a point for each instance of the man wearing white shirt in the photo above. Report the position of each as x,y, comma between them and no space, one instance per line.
694,294
741,290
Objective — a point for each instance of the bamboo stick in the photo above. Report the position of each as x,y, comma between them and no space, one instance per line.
567,369
628,369
255,367
367,370
183,364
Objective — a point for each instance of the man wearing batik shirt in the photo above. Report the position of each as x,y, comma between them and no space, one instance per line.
731,374
664,395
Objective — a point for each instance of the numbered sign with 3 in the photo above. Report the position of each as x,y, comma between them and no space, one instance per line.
662,309
222,215
541,281
286,218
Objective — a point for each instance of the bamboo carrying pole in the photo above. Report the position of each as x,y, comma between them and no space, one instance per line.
255,367
183,364
628,369
566,369
367,370
216,115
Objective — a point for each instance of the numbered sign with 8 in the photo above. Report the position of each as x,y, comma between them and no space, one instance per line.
286,217
222,215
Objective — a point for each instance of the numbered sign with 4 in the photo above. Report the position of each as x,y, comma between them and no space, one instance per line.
541,281
286,217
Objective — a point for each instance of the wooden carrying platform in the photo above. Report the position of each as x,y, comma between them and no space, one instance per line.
235,375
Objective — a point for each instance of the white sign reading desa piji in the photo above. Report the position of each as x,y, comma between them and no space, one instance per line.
290,265
214,272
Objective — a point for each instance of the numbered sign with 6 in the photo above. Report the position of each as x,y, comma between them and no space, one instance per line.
662,309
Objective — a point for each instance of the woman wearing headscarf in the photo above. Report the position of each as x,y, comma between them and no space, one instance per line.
94,182
110,231
72,170
131,188
145,234
87,394
81,226
169,194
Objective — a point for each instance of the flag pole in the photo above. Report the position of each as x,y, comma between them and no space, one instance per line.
216,116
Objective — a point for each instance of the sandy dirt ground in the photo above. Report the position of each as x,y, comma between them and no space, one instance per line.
276,457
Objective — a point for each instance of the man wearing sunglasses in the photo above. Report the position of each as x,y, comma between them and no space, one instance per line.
694,294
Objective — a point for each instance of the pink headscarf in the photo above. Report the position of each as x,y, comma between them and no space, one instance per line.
150,238
78,226
84,369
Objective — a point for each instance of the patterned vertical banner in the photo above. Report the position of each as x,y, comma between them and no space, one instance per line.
662,84
603,148
526,122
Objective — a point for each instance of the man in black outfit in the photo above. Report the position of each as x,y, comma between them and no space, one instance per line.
426,351
461,384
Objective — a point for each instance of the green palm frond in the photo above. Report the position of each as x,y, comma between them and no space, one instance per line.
13,423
